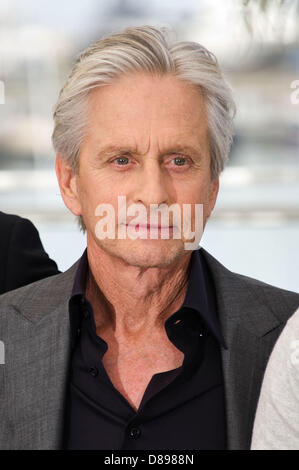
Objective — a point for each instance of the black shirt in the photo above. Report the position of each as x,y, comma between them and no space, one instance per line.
181,409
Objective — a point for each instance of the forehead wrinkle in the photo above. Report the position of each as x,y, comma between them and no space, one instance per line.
167,145
178,148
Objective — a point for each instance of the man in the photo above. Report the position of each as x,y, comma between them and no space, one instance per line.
23,259
144,343
276,425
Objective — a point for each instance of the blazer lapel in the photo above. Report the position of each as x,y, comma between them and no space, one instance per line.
245,322
243,373
37,366
39,412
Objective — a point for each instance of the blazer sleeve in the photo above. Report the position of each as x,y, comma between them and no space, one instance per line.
25,260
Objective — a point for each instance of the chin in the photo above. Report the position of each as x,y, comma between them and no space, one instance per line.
140,253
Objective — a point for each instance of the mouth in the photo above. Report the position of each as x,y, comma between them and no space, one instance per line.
150,226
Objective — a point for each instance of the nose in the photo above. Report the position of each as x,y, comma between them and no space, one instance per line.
151,187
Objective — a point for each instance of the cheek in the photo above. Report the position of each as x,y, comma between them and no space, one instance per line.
97,191
197,193
194,193
92,188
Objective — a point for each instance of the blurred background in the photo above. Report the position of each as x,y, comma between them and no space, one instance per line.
254,229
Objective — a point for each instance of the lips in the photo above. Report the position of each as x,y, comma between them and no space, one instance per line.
149,226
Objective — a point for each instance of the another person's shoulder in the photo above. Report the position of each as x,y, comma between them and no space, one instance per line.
276,425
13,225
8,221
8,218
23,259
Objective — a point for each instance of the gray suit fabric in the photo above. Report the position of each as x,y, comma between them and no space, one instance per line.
34,327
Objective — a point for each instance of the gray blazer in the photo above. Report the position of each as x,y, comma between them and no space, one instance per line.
34,327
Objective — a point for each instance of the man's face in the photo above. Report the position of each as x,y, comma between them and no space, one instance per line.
157,127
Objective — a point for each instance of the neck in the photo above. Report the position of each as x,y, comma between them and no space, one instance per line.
132,300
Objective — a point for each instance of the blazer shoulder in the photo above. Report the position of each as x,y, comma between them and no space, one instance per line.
41,297
256,283
274,296
235,286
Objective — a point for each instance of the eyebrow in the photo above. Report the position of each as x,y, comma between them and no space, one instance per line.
178,148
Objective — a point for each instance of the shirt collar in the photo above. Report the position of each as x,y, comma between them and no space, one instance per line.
200,295
81,275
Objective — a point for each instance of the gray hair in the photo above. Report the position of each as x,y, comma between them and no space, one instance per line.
145,49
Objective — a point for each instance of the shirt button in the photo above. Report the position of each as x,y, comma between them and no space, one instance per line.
134,433
93,371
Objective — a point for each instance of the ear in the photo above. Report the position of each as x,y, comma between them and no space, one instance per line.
68,185
213,193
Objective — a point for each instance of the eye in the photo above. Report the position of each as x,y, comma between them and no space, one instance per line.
122,161
179,161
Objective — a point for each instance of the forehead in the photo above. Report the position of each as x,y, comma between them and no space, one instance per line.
140,112
143,100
